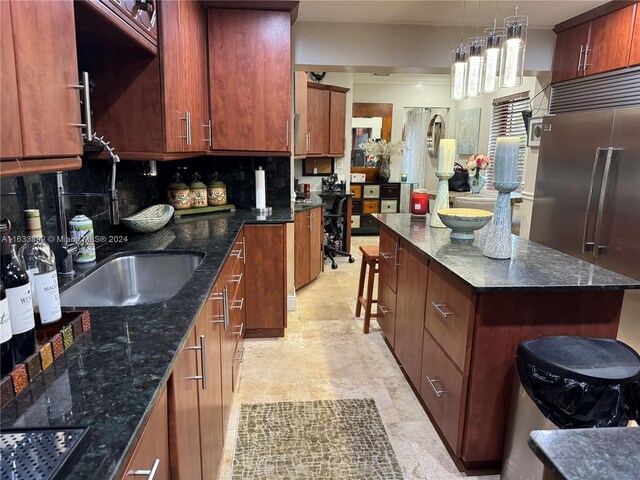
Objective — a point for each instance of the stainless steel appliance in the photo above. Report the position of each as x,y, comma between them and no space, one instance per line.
587,196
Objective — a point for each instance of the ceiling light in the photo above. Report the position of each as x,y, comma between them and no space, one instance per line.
492,57
459,72
514,48
476,47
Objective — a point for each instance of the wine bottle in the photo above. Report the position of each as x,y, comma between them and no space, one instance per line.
40,262
18,291
6,348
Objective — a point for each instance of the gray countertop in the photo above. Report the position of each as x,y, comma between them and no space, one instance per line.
589,454
111,377
532,266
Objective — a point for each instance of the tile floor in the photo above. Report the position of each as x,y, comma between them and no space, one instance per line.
325,356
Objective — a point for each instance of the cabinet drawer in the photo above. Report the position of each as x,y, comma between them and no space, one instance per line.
389,206
387,311
370,206
355,221
356,206
390,191
371,191
449,314
388,257
368,222
442,388
356,190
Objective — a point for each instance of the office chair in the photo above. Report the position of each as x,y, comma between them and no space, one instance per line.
334,232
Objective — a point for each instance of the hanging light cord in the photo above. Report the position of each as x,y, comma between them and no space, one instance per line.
478,20
464,3
495,19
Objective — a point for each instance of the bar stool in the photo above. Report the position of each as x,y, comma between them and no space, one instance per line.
370,258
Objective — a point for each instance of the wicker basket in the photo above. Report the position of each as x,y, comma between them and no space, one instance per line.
150,219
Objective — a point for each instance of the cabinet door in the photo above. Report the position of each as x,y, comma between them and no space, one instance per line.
302,236
410,301
568,57
315,243
210,398
265,271
388,257
387,311
610,41
300,128
153,446
46,65
184,419
318,121
337,119
11,144
250,79
634,55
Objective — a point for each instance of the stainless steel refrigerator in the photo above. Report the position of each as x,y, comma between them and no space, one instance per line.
587,195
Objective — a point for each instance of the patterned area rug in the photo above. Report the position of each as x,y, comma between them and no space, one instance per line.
324,439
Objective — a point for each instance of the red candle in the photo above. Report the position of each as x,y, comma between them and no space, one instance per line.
419,202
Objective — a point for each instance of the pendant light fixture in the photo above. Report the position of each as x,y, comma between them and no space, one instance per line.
459,66
492,56
514,48
475,60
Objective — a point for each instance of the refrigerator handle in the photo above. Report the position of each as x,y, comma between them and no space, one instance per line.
587,244
599,249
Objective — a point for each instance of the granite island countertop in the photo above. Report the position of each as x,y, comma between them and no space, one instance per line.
532,266
589,453
111,377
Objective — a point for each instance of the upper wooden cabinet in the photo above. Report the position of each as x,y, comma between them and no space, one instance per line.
598,44
326,117
250,80
301,133
634,56
337,120
40,106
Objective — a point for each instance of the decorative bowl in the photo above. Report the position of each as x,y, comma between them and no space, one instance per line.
150,219
463,222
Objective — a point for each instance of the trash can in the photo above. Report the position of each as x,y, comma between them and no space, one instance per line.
568,382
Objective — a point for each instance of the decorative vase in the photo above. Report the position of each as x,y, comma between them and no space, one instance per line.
477,181
385,168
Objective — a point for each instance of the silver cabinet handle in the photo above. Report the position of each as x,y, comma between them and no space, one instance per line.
397,264
311,215
599,249
86,104
209,138
588,244
240,357
287,134
224,318
240,329
384,310
308,141
238,304
203,359
236,253
150,474
580,57
586,55
435,389
237,278
438,307
187,121
244,253
386,256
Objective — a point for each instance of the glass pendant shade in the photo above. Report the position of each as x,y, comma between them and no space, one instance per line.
492,60
513,51
475,61
459,73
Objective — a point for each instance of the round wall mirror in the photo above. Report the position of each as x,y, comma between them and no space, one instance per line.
435,132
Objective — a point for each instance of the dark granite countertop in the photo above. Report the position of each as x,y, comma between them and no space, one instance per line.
532,266
590,453
111,377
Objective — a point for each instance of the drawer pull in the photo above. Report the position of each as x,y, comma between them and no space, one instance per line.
236,278
435,389
386,256
238,304
236,253
240,329
384,310
240,357
150,474
438,308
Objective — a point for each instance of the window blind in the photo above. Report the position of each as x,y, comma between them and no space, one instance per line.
507,121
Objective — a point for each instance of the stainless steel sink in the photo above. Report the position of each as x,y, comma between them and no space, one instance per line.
132,280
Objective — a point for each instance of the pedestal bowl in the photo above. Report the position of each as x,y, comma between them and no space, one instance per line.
463,222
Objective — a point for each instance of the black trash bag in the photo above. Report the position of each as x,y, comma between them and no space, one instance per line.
578,402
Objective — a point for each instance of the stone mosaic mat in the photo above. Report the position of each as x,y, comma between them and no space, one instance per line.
324,439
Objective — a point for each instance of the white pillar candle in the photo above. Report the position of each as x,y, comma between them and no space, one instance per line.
446,155
505,163
261,190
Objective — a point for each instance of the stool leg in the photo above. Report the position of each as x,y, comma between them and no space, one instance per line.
367,313
363,270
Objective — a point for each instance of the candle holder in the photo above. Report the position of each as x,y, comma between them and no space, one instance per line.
498,243
442,198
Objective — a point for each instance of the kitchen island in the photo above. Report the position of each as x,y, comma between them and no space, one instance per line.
113,377
454,318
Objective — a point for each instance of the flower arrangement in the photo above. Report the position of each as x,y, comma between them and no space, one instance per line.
382,148
478,161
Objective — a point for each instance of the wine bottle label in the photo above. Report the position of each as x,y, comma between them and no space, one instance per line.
5,323
48,296
20,309
34,295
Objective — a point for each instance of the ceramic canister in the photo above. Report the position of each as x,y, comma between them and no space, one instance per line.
81,233
198,192
216,191
179,194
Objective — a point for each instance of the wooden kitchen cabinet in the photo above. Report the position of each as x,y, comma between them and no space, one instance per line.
250,80
266,280
590,44
301,133
387,311
153,446
317,120
308,246
11,141
184,418
410,308
634,55
337,122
